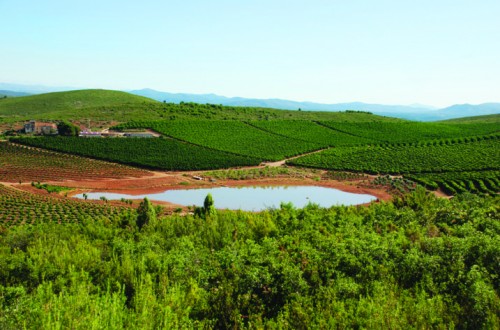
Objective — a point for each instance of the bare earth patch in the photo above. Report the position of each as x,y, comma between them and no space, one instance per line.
161,181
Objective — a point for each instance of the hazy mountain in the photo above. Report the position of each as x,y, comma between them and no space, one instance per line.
278,103
413,112
467,110
12,93
33,89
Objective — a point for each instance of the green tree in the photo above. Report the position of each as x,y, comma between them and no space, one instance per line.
146,213
67,129
208,205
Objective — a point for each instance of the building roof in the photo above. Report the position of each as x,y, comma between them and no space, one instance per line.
39,124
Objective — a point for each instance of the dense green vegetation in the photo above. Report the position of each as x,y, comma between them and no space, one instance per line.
231,136
404,132
19,163
417,262
65,128
420,262
50,188
163,154
258,173
310,131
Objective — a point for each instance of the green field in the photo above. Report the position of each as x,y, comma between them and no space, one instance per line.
310,132
231,136
478,155
404,132
164,154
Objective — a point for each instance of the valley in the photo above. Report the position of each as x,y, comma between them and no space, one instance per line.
428,243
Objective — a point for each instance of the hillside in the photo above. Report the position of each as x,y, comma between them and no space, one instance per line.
110,105
490,119
72,105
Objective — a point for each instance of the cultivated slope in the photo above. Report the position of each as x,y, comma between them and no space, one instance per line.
488,119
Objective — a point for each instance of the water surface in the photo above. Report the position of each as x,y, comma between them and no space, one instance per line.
249,198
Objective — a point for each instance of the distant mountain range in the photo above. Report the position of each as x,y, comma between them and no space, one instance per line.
33,89
412,112
12,93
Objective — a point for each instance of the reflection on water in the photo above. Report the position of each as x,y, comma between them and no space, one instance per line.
249,198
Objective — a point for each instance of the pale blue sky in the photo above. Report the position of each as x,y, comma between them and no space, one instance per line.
436,52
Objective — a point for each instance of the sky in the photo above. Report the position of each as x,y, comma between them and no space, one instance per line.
437,52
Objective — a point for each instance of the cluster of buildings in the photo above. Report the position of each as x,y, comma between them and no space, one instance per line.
36,127
90,134
47,128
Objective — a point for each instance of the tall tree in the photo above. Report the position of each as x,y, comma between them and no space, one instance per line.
146,213
208,205
67,129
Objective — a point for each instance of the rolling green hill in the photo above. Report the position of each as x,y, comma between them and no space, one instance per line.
490,119
107,105
98,104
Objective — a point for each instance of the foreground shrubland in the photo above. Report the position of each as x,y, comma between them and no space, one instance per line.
417,262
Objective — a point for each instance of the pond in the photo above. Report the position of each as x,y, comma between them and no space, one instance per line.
249,198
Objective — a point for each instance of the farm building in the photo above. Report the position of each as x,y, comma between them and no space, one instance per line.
139,135
89,134
112,134
40,127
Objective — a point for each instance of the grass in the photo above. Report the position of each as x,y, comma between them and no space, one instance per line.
50,188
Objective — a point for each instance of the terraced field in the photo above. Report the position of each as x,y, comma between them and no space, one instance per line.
18,163
311,132
452,183
231,136
472,166
404,132
479,155
433,154
164,154
19,207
